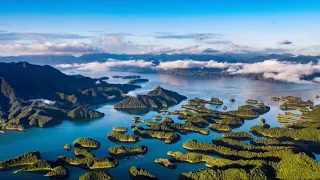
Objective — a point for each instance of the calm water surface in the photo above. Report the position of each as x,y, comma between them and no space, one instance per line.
50,141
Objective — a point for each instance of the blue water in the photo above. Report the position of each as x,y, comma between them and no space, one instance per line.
50,141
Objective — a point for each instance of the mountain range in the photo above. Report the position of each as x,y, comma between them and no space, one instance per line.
101,57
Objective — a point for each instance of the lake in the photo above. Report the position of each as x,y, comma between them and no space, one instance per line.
50,141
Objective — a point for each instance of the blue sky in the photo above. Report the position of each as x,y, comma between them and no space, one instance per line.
144,26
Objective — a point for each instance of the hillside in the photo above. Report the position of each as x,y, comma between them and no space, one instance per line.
33,95
156,99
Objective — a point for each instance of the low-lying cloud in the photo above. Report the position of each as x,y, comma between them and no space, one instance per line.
102,66
282,71
270,69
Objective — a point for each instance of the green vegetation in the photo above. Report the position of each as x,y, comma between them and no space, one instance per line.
167,120
252,101
137,173
224,107
156,99
119,136
238,135
67,147
165,162
313,115
40,165
82,153
83,112
135,81
215,101
86,143
137,119
95,175
58,172
179,127
158,118
168,137
89,162
119,129
127,151
189,157
294,103
220,127
28,158
273,98
307,133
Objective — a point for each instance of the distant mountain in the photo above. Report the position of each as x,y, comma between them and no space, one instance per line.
33,95
156,58
156,99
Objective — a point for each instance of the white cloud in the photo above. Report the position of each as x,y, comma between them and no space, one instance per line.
183,64
273,69
282,71
102,66
48,47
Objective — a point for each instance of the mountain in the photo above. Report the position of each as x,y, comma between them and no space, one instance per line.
33,95
157,99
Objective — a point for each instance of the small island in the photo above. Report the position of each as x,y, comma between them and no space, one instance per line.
86,143
119,129
58,172
95,175
252,101
157,99
137,173
67,147
121,137
136,81
165,163
220,127
127,151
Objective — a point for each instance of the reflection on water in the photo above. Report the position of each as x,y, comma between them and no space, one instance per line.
173,80
50,141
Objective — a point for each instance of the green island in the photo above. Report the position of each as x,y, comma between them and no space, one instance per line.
67,147
86,143
32,162
179,127
167,137
294,103
137,173
80,152
127,151
90,162
273,98
58,172
165,163
95,175
135,81
157,118
220,127
252,101
157,99
273,157
232,100
136,119
237,135
120,136
167,119
119,129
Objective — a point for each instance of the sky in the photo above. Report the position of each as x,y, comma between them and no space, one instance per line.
166,26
